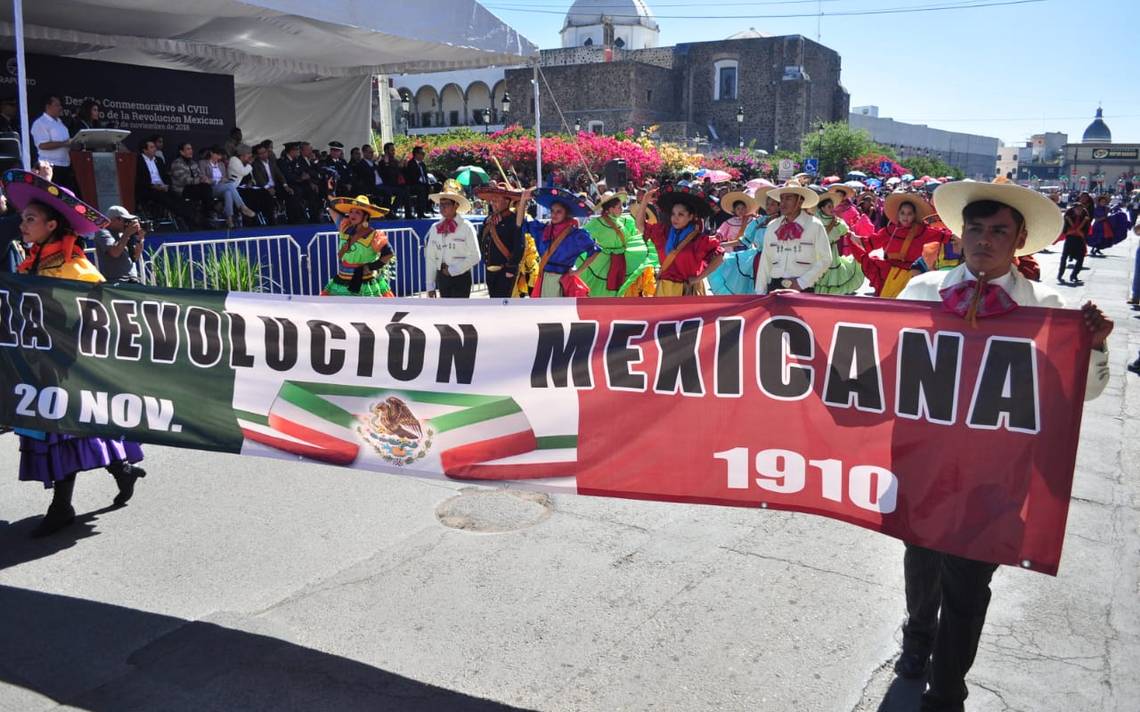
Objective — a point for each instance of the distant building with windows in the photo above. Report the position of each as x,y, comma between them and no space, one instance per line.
974,155
610,75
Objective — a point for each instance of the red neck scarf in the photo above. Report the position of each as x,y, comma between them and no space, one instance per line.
447,227
553,230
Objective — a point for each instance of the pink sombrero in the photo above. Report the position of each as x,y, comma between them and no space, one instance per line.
23,187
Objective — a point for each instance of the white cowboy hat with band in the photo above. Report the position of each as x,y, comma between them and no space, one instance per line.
452,191
1043,219
811,198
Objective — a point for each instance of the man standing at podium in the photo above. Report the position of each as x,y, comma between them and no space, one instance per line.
53,141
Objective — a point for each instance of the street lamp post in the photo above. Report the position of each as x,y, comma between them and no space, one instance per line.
820,167
405,108
506,106
487,120
577,126
740,125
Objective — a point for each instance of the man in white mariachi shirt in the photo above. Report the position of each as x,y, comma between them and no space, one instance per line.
796,250
452,248
947,596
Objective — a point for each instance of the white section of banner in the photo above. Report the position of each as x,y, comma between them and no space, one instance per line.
507,344
320,111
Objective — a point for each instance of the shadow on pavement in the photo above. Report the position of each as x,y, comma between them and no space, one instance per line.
96,656
16,546
903,696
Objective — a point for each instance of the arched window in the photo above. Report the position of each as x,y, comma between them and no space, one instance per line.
725,79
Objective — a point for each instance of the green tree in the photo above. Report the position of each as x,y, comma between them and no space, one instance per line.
836,145
925,166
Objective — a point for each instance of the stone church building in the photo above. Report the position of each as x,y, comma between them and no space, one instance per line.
611,75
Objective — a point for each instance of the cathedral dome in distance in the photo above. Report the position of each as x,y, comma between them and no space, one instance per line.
1097,132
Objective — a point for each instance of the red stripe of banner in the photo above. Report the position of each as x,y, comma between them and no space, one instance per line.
458,461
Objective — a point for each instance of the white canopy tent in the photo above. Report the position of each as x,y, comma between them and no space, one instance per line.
270,47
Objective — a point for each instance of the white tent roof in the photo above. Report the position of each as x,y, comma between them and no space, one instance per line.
264,42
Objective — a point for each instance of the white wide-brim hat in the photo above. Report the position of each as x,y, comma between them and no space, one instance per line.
811,198
460,199
1043,219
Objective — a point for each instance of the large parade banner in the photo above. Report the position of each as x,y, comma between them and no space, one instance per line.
894,416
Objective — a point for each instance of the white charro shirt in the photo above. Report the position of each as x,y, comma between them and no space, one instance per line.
804,259
459,250
926,288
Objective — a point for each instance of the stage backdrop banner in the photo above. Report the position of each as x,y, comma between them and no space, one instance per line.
894,416
179,106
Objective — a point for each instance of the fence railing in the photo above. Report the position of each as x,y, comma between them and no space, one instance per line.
270,264
278,264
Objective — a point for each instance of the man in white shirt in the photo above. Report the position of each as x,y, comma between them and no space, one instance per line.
796,250
52,139
947,596
452,248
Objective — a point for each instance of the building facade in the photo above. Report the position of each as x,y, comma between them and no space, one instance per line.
1098,164
611,76
974,155
782,87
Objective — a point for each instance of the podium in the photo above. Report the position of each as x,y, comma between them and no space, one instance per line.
105,175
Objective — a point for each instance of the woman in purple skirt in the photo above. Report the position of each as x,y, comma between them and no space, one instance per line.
52,218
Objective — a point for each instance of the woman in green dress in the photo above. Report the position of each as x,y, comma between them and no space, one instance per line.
844,276
364,256
627,263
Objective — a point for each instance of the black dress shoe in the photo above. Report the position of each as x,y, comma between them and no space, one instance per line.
125,475
1135,367
56,519
912,665
932,702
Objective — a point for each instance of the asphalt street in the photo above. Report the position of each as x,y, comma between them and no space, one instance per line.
243,583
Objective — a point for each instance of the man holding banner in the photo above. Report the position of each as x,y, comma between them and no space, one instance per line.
946,595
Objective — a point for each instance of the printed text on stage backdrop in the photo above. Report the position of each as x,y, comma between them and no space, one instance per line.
895,416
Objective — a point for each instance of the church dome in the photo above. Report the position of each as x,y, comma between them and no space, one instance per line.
587,13
1097,132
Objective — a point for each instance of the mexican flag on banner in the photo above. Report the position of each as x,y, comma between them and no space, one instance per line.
463,436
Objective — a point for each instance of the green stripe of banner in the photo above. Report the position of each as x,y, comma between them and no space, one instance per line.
460,399
306,400
254,418
557,442
461,418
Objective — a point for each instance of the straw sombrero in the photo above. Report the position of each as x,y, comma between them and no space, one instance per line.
609,196
811,198
453,191
23,187
835,196
731,199
1043,220
846,191
895,200
699,203
495,189
575,204
360,202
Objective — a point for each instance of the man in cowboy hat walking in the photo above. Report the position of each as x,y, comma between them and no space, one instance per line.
947,596
796,249
452,250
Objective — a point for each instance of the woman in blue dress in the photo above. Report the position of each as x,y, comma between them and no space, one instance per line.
561,242
737,275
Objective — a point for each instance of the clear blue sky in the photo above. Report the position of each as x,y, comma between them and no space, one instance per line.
1005,71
